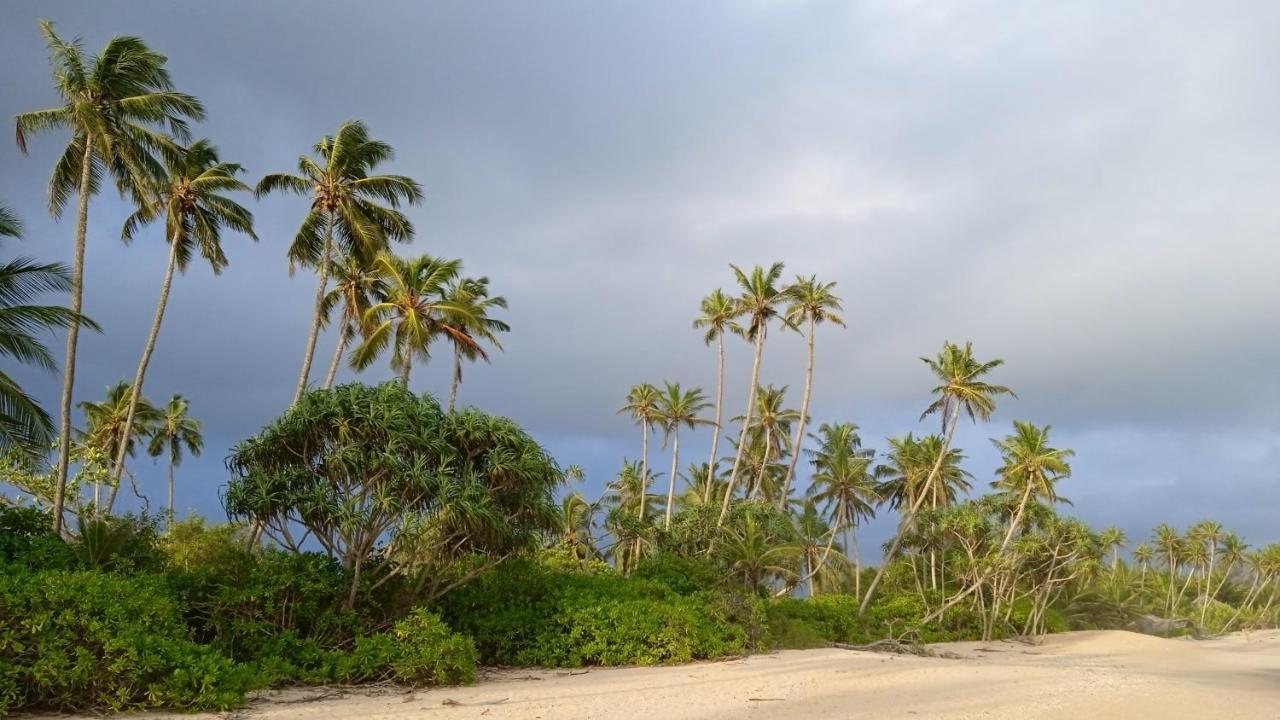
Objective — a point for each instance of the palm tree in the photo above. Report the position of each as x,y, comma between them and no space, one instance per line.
105,420
1169,543
676,408
1142,556
355,287
474,325
1031,469
1112,539
345,207
759,304
719,315
812,303
412,312
817,540
770,432
195,211
576,522
960,388
643,407
174,430
116,106
844,484
629,502
25,425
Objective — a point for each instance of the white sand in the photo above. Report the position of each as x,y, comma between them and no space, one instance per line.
1090,675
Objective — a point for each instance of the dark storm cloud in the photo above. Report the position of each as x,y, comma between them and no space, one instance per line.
1085,189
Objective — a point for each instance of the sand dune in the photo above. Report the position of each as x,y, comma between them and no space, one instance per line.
1093,675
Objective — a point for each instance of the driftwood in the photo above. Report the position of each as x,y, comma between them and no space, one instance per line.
450,702
1152,625
898,647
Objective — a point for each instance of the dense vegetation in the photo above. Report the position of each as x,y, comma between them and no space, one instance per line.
373,534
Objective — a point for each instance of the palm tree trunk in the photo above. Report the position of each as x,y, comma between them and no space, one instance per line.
73,335
742,436
715,433
168,525
135,392
758,488
644,468
804,418
857,561
343,338
457,376
1017,518
404,372
671,484
314,335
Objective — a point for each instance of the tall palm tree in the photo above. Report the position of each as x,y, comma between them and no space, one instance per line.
474,326
412,312
350,206
1112,539
678,408
960,387
116,106
175,429
190,199
812,303
1031,469
770,431
356,284
1169,544
817,541
25,425
719,316
643,405
104,422
844,485
1142,556
758,303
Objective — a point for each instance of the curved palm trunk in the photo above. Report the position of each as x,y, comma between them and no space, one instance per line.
715,433
457,377
751,406
804,418
644,470
343,338
169,518
314,335
136,392
73,336
671,484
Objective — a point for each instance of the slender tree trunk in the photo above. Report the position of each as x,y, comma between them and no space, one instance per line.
911,512
804,418
757,489
644,469
457,376
404,372
343,338
857,561
73,335
715,433
169,522
1017,518
1208,582
671,484
746,422
323,284
135,393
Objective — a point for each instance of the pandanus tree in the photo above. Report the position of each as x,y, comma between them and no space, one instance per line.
356,286
758,304
24,424
472,329
191,201
353,211
643,405
1030,470
812,303
104,429
678,408
960,387
412,312
719,316
121,109
175,430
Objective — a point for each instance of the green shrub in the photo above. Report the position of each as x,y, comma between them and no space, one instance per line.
420,651
27,540
89,640
685,575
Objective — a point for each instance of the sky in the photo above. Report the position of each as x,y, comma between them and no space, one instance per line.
1085,190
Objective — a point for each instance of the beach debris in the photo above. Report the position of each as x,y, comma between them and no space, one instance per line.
450,702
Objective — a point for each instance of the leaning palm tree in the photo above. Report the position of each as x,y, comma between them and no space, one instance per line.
1030,469
24,425
174,430
719,316
812,303
960,387
116,106
195,211
104,422
473,326
356,284
758,303
678,408
412,312
350,207
643,407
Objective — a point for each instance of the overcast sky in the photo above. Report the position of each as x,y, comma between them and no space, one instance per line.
1087,190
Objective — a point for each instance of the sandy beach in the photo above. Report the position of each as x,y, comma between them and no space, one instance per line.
1099,675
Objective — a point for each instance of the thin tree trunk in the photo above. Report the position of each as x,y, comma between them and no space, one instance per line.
804,418
746,422
644,469
1208,581
1017,518
73,336
457,376
715,433
343,338
169,522
671,484
135,393
857,561
323,271
758,488
404,372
